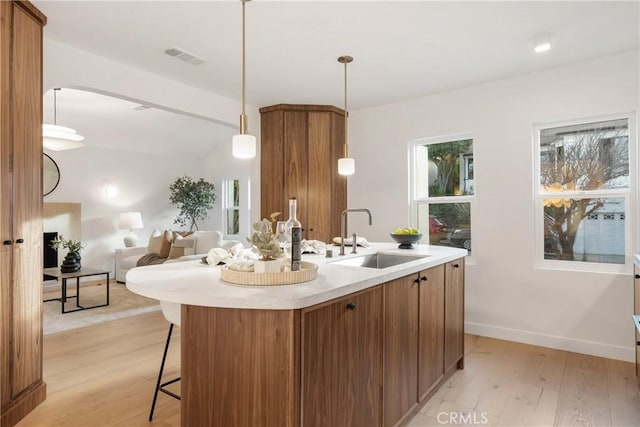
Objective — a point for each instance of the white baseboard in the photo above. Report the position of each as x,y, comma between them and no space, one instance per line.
593,348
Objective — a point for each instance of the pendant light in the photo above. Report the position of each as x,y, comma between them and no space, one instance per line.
59,138
346,165
243,145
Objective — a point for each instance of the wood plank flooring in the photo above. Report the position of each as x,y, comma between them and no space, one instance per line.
104,375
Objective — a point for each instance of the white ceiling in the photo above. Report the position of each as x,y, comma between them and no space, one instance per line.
112,123
402,49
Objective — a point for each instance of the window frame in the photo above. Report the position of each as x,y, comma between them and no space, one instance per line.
415,201
629,195
226,207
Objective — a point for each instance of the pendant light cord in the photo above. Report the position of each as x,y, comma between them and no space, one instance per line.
243,57
243,116
346,112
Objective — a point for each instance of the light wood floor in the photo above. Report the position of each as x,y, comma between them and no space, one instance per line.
104,375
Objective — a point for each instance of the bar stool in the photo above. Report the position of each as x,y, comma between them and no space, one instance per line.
171,312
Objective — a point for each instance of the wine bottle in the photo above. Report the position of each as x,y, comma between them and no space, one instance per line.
294,229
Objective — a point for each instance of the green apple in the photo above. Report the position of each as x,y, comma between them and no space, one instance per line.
406,230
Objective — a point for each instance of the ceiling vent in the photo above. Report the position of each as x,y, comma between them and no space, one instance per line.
184,56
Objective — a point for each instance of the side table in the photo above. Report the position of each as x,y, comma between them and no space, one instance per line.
83,272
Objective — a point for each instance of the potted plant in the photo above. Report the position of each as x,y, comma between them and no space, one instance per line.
71,261
264,242
193,199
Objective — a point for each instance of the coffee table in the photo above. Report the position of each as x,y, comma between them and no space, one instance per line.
83,272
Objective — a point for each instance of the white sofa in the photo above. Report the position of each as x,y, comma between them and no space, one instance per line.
127,258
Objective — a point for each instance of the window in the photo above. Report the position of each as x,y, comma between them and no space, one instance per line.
584,192
442,190
231,207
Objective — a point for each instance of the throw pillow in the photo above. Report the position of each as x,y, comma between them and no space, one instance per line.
160,243
181,247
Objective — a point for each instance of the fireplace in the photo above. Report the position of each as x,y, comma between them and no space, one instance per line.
49,254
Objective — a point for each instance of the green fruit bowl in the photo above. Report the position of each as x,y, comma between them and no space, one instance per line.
406,240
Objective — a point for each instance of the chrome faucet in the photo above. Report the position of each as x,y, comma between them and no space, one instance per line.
343,228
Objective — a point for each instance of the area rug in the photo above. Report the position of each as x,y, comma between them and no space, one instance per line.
122,303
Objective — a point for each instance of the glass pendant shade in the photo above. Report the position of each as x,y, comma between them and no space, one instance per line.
346,166
59,138
243,146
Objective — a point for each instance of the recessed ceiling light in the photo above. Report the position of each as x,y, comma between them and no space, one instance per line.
542,47
541,43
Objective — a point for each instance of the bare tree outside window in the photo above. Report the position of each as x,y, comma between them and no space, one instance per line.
580,165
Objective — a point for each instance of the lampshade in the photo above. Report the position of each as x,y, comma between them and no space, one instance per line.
346,165
59,138
243,145
130,220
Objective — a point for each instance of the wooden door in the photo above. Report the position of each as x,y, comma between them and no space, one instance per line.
21,209
400,348
319,212
636,311
296,163
454,314
272,197
27,200
432,324
342,361
6,179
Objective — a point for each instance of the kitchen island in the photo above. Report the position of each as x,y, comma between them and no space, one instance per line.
355,346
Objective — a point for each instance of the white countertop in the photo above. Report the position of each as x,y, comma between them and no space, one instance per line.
194,283
636,260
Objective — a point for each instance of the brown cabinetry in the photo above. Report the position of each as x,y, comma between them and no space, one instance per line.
400,348
454,315
414,341
342,361
432,326
636,312
22,388
299,148
371,358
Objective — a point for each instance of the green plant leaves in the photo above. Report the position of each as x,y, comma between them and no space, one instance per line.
193,199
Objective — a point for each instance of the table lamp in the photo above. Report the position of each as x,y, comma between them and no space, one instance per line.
132,221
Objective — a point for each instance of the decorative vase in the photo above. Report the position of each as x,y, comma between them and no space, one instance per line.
70,263
271,266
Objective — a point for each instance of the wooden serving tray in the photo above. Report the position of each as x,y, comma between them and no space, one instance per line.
309,271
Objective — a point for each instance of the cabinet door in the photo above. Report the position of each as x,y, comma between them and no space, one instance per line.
295,163
342,361
400,348
454,314
431,338
6,179
319,210
636,311
272,165
636,290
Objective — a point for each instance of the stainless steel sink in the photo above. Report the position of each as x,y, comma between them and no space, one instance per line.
379,260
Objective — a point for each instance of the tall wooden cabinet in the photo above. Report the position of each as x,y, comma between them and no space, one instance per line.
636,314
22,388
300,148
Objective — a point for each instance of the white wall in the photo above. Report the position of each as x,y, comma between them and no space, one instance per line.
142,179
506,297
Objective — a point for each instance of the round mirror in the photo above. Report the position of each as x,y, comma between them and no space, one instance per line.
50,175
